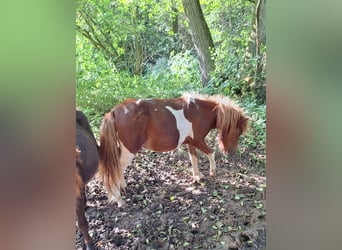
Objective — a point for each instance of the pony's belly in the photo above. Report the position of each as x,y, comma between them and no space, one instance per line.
161,145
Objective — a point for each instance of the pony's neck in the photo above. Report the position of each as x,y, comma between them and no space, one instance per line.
201,111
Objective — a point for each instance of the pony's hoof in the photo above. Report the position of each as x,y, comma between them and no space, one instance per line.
90,247
111,201
213,174
197,178
121,203
123,190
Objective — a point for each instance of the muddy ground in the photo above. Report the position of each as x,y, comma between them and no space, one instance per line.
166,210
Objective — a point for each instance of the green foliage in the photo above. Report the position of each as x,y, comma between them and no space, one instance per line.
256,136
129,34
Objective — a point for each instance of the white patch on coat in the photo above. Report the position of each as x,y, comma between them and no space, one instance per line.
184,126
125,110
188,98
140,100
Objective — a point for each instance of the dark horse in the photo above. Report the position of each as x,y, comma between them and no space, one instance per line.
87,160
163,125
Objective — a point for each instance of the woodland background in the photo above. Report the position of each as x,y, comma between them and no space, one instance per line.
160,49
163,48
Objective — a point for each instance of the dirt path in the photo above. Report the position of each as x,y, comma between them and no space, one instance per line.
165,210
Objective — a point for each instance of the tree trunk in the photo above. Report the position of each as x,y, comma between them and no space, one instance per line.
256,78
174,19
201,37
260,41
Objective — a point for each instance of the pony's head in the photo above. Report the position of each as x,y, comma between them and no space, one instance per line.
231,122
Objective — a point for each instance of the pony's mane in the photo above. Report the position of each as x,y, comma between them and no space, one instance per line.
228,111
217,99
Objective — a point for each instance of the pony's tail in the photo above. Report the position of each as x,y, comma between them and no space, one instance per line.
109,152
79,182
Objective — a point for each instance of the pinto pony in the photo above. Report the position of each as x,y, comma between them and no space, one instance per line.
87,160
163,125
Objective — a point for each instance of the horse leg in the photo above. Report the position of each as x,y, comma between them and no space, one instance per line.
125,160
196,175
82,220
201,145
115,196
211,157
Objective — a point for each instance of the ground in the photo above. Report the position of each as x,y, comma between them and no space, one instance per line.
166,210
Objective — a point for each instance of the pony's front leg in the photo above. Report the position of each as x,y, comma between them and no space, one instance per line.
196,174
201,145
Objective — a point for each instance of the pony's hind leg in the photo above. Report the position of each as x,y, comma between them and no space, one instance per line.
125,160
82,220
115,197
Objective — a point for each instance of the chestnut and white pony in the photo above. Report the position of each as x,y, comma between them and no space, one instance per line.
163,125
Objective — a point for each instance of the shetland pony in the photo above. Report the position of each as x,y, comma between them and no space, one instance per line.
163,125
87,160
